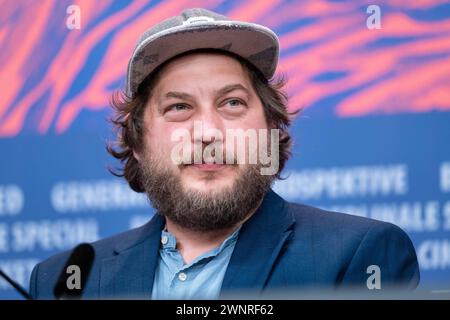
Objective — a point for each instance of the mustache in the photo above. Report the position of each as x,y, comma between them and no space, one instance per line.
204,154
201,158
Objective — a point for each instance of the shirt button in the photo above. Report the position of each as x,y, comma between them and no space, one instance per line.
164,239
182,276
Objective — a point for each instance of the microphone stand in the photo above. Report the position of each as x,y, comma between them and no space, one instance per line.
15,285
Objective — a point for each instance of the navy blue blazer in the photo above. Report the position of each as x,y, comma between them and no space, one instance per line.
283,246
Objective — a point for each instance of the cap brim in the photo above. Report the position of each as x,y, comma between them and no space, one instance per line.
256,43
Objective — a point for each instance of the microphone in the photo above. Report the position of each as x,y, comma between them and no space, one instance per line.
15,285
74,275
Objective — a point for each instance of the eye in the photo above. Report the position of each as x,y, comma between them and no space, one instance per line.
176,108
234,103
177,112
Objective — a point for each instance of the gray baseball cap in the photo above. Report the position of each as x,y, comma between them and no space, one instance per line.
201,29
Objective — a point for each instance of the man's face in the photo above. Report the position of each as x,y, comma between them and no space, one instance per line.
208,89
212,90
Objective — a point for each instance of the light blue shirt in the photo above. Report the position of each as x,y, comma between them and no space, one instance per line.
200,279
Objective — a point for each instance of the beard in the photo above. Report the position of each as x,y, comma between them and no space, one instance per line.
203,211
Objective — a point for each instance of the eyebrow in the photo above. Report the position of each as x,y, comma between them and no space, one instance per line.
186,96
177,95
230,88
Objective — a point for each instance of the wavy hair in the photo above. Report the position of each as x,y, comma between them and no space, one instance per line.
129,112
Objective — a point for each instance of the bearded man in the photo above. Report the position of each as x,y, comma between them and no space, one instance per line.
194,82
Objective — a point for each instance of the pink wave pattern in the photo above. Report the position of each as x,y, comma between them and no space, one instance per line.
50,74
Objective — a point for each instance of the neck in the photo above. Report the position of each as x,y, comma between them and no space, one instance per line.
192,244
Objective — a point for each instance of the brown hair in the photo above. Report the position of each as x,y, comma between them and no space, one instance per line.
129,112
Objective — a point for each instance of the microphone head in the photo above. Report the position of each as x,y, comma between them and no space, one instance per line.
74,275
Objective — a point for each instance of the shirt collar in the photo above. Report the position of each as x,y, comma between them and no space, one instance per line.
168,242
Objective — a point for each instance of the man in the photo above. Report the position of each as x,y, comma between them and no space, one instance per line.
219,229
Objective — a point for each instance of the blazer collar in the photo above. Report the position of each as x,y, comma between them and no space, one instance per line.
260,241
129,273
149,231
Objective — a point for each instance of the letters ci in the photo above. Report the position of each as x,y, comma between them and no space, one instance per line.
374,280
74,280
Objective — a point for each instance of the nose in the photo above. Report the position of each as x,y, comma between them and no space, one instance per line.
208,127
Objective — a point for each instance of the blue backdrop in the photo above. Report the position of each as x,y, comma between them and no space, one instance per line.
373,138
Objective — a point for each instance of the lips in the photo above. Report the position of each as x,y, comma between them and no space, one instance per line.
209,167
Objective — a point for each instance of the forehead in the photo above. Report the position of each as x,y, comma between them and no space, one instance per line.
203,69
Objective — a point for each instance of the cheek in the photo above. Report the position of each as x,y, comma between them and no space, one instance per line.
261,122
255,119
257,115
159,140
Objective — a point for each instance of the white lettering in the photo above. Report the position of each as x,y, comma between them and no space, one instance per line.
445,177
434,254
99,195
52,234
374,20
374,280
11,200
4,233
350,182
73,21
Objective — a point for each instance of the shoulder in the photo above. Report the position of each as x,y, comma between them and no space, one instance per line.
331,223
103,248
45,274
351,243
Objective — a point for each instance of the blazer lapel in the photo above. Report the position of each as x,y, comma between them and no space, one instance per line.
129,273
260,241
